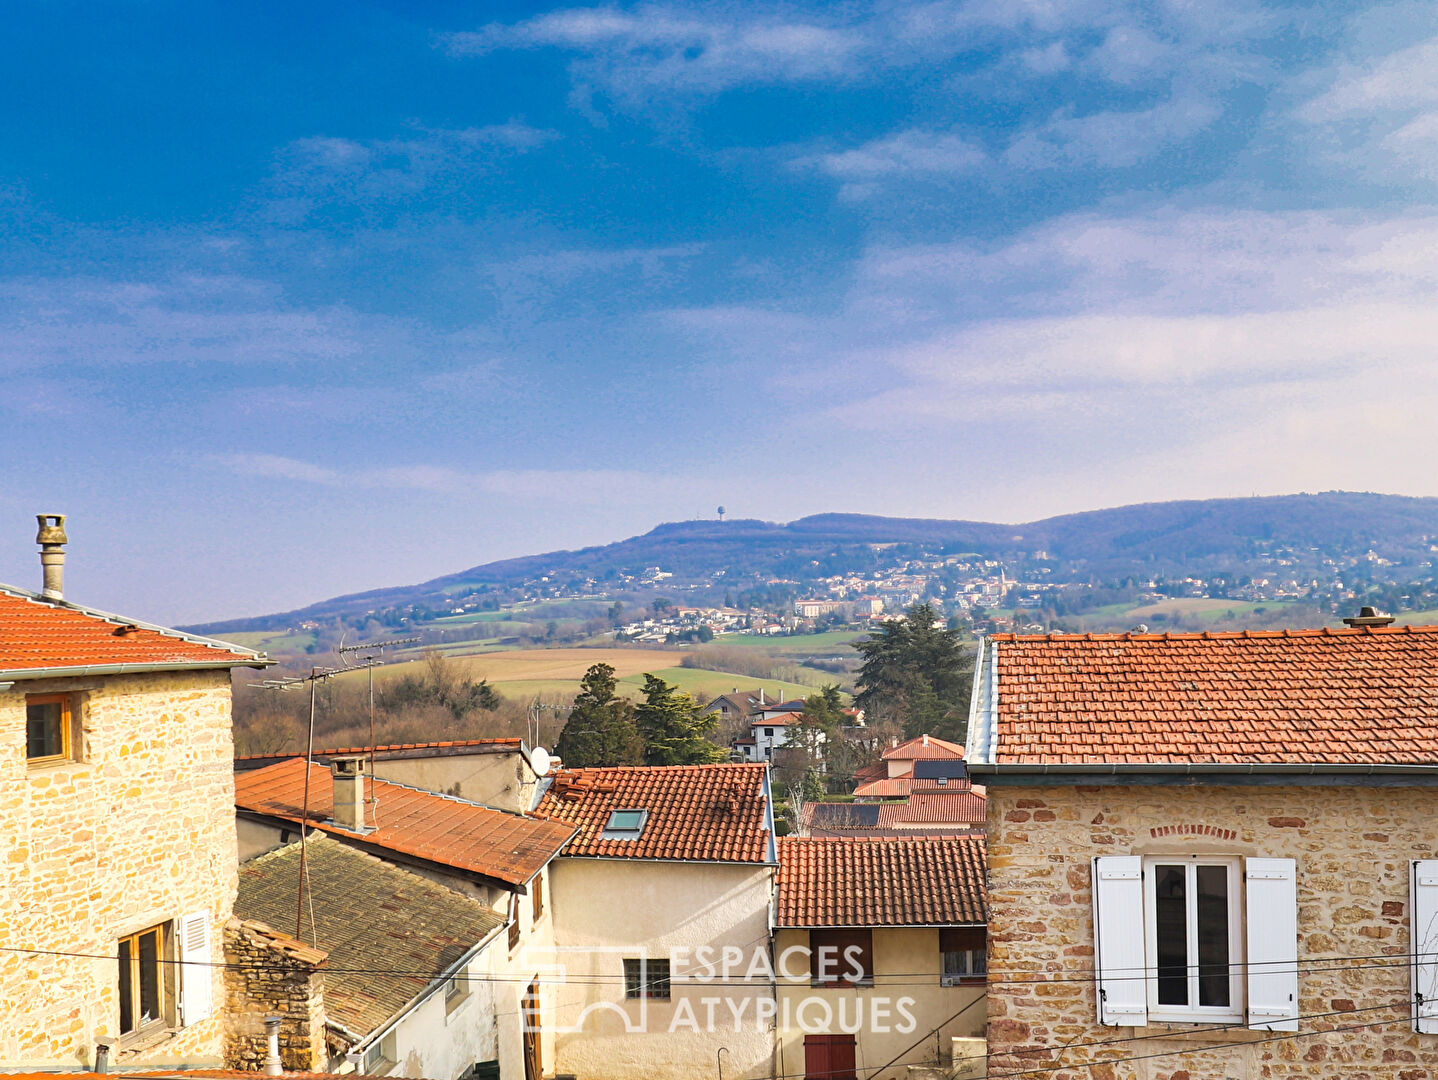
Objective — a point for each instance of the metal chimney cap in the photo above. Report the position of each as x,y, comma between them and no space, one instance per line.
1368,616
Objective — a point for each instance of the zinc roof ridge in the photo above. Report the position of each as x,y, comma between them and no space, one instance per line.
1222,635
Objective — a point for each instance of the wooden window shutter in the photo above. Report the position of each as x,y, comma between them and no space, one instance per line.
1119,940
1423,918
961,938
1271,921
197,975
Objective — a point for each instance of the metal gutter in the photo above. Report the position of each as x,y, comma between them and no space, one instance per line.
132,669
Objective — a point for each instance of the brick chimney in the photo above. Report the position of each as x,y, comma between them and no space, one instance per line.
347,778
52,540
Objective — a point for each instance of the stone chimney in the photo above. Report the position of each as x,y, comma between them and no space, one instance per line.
1368,616
347,777
52,540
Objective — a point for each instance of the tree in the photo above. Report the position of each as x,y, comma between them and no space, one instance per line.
675,731
444,684
918,675
600,729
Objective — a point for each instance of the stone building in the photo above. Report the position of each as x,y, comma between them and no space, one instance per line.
1211,857
117,832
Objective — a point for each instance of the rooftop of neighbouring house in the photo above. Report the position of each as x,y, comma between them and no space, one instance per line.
707,813
442,829
965,808
1348,699
388,933
391,751
922,748
880,881
43,637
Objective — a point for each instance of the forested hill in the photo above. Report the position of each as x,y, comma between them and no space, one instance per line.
1213,535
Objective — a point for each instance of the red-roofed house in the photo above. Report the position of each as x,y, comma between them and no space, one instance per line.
502,773
500,858
117,832
668,862
1181,826
881,953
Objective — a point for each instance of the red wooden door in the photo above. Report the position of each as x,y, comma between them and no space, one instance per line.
829,1057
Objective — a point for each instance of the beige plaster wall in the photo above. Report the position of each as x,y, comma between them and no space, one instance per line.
609,909
138,832
503,780
1352,846
907,965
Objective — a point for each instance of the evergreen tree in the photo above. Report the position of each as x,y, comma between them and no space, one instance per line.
918,675
600,729
673,728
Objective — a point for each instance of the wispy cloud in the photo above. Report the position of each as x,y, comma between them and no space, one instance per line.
656,47
85,323
555,486
325,167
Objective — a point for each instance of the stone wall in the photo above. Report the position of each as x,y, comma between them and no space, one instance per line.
269,974
1352,845
138,832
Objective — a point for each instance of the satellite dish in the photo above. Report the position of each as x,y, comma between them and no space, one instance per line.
539,758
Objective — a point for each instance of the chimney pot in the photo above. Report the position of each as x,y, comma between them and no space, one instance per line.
52,540
1368,616
273,1065
347,777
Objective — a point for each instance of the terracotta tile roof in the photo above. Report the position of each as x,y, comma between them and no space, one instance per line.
453,832
924,748
45,637
901,786
935,808
713,813
1362,696
881,881
889,787
370,917
867,774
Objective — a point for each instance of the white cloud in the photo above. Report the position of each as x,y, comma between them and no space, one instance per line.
657,47
911,153
1113,139
1405,79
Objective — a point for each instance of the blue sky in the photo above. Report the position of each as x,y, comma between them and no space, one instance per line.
302,299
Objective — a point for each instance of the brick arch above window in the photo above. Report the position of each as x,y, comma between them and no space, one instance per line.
1213,831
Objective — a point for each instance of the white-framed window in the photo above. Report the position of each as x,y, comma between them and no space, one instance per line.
1196,939
381,1055
963,955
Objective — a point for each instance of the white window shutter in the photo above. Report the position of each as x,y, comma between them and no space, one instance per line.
1271,917
1119,940
1423,912
196,971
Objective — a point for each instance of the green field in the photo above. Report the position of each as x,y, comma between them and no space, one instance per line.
553,674
272,641
829,643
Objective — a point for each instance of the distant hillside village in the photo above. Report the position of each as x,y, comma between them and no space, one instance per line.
1191,856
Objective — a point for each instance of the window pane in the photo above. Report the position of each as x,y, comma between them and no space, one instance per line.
43,736
149,976
1212,886
1171,934
127,977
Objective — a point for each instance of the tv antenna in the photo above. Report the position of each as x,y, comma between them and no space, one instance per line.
372,651
314,678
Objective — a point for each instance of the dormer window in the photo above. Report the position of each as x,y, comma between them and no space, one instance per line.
624,824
